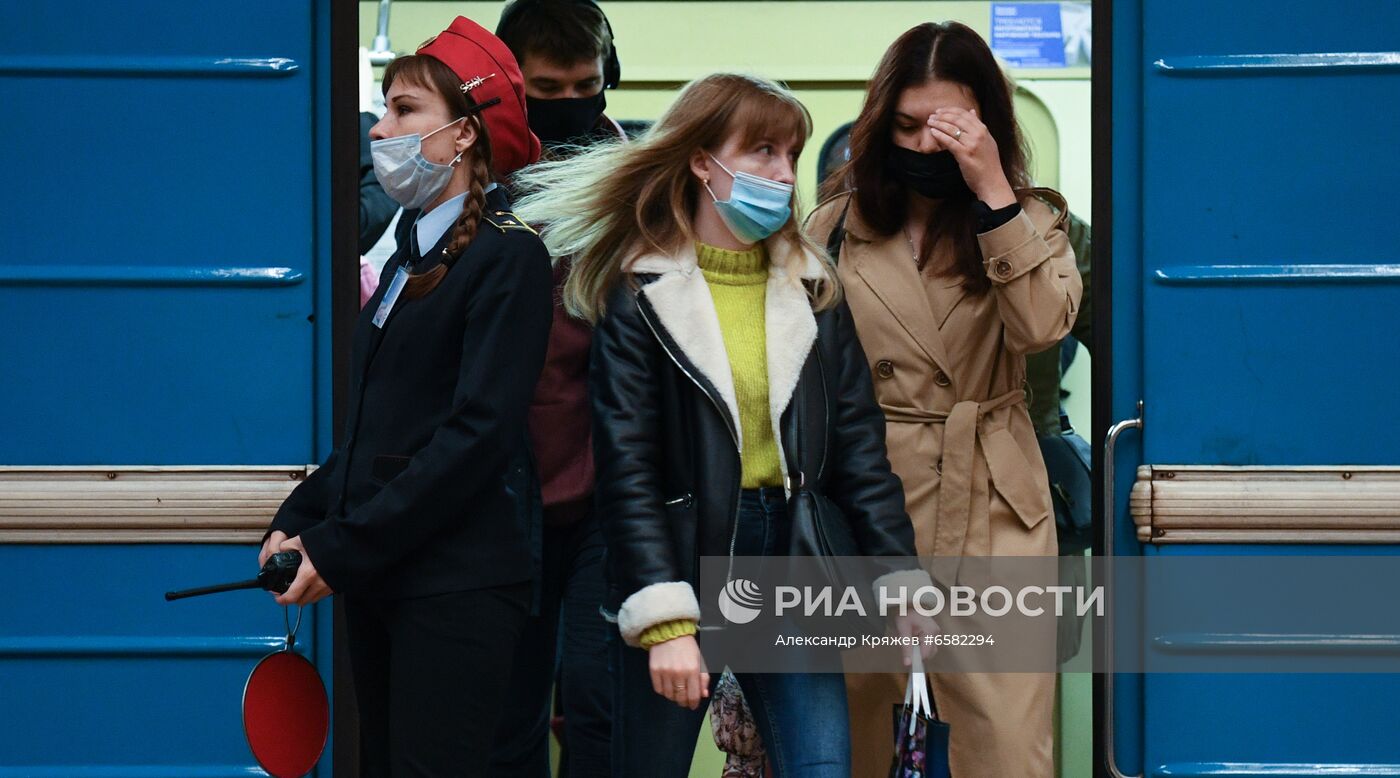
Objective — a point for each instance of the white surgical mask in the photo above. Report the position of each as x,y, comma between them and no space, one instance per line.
405,174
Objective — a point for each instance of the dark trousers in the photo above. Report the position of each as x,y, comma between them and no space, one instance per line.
568,637
802,717
429,674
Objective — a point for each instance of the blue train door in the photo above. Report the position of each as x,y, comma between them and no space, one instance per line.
165,298
1254,289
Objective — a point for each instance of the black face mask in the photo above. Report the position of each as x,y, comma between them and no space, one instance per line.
564,120
935,175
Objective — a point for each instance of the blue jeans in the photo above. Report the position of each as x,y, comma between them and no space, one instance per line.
566,642
801,716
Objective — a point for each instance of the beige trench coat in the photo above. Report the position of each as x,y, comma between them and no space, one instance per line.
949,369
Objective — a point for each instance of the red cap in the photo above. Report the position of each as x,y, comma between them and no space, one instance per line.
489,71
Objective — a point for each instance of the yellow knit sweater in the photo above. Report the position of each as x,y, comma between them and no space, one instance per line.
739,285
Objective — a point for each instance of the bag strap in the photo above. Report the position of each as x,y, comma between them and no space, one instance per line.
917,695
838,234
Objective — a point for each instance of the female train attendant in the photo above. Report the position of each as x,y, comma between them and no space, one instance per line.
419,518
954,272
716,322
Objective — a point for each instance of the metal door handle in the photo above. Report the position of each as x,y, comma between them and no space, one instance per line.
1110,442
1110,519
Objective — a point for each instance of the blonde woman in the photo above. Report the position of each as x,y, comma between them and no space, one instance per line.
721,342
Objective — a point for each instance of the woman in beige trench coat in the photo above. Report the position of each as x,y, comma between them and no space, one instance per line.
955,270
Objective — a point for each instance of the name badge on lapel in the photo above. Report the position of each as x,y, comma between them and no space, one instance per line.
391,296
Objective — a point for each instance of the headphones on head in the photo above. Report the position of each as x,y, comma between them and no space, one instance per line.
612,68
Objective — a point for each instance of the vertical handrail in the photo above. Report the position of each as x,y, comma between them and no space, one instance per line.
1109,524
381,54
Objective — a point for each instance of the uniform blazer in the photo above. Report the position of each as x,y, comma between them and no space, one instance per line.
949,369
430,490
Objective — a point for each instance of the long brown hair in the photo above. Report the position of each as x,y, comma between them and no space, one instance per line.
948,52
613,203
430,73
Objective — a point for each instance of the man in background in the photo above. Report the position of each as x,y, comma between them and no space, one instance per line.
565,51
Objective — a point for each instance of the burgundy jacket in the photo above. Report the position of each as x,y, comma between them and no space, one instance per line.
560,420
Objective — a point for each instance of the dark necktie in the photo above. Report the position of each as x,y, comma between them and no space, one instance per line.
415,257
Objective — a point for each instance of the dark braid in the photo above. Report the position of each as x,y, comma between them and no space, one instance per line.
465,228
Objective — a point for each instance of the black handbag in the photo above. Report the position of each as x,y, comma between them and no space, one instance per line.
821,532
819,529
1067,462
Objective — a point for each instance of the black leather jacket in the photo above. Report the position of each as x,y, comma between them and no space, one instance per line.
668,460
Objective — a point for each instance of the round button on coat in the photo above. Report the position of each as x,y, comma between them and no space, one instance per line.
884,368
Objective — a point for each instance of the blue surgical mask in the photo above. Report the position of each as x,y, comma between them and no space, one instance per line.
407,176
757,207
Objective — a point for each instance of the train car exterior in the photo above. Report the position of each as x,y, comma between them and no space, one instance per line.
1253,286
166,297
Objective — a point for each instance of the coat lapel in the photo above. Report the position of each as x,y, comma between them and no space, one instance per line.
681,299
682,302
887,267
405,255
944,294
791,329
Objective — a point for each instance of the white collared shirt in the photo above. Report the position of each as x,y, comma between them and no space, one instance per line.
429,228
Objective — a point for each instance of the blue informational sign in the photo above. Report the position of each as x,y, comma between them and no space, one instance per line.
1028,35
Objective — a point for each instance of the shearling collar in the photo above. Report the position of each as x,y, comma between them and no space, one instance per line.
681,298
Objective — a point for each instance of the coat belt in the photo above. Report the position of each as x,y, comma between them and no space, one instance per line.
974,457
